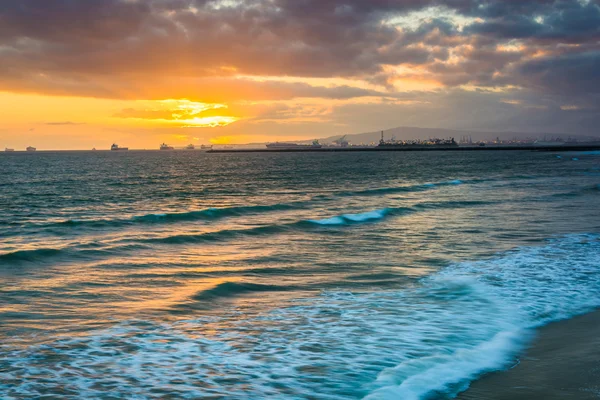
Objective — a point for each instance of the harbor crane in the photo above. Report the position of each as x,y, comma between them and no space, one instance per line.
342,141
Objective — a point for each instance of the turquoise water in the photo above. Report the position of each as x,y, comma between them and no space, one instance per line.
146,275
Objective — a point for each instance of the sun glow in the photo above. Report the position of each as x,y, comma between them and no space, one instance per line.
222,140
211,122
181,112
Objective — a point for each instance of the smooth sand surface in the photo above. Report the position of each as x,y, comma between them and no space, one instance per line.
563,362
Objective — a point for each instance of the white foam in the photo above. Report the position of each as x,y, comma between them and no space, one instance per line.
349,218
329,221
436,373
532,286
425,340
366,216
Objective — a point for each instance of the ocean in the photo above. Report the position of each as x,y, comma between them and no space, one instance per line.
401,275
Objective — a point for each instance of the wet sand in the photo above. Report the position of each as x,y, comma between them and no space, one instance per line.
563,362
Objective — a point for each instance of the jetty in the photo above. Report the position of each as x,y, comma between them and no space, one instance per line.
325,149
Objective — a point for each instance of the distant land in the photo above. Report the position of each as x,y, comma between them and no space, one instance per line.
405,133
412,133
409,133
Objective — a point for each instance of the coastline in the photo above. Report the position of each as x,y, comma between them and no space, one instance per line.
562,362
309,149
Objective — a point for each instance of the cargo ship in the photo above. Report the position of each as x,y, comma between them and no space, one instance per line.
165,146
293,146
115,147
8,150
206,147
190,147
31,149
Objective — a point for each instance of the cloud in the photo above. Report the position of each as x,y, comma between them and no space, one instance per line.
145,114
568,74
224,52
64,123
206,89
79,46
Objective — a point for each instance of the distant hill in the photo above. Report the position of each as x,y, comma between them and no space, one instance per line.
408,133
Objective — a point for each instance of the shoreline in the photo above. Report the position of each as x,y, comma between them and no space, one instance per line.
562,362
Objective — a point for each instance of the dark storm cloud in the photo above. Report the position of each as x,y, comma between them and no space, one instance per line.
69,21
564,21
568,74
117,48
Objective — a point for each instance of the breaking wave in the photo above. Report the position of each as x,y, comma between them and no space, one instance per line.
369,216
421,342
337,220
212,214
233,289
348,219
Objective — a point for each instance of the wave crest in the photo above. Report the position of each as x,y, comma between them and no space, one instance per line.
29,255
347,219
232,289
206,214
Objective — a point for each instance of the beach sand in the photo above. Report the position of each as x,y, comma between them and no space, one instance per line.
563,362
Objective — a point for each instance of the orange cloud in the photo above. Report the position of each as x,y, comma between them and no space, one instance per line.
182,112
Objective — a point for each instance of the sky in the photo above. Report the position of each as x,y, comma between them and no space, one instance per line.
77,74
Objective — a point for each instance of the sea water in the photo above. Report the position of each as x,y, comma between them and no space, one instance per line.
147,275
